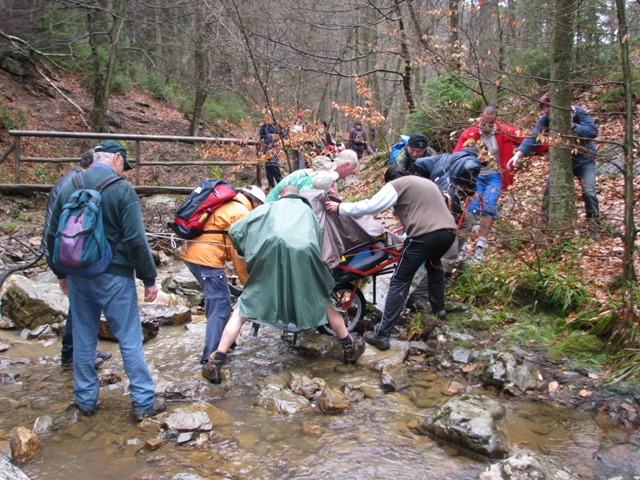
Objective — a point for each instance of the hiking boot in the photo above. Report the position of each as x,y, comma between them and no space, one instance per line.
103,355
212,370
159,406
351,353
87,412
372,338
441,314
97,363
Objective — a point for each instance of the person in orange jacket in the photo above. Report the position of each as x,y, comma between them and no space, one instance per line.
206,256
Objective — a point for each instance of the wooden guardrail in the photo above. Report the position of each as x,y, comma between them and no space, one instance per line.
135,161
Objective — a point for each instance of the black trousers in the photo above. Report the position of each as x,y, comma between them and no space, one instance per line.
427,249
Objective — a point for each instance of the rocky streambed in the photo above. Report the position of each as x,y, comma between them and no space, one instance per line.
450,407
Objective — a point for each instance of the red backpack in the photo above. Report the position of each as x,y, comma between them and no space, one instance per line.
194,212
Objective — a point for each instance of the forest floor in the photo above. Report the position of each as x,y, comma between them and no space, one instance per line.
35,105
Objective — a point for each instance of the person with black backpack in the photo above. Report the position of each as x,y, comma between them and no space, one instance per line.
206,256
358,139
113,291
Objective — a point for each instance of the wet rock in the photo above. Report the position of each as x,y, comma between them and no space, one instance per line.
192,388
187,476
271,433
41,332
4,347
30,303
42,425
278,400
461,355
217,417
109,377
185,285
512,374
417,347
150,425
154,444
473,422
353,393
7,378
189,422
8,471
377,360
150,329
184,437
166,314
25,445
620,459
395,377
332,401
6,323
527,466
11,387
307,387
452,388
311,429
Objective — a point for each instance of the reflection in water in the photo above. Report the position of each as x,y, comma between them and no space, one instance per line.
372,440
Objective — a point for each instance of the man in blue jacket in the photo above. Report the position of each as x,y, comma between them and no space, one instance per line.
583,153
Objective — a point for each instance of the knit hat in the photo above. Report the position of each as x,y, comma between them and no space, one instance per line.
418,140
545,99
111,146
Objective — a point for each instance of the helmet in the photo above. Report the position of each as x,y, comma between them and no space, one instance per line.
255,192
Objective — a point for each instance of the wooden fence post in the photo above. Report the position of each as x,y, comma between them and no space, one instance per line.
17,153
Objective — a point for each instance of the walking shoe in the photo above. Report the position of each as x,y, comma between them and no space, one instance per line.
97,363
351,353
103,355
372,338
159,406
441,314
87,412
212,370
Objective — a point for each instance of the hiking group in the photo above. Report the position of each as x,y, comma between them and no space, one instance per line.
95,242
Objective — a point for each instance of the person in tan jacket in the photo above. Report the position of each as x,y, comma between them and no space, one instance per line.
206,257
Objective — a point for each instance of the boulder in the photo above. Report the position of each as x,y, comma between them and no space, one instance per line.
25,445
8,471
473,422
395,377
512,374
377,360
42,425
279,400
305,386
527,466
165,314
30,303
7,323
189,422
332,401
150,329
185,285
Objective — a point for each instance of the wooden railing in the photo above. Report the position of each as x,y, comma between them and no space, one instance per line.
135,161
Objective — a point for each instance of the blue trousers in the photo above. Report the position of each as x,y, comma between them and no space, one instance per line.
489,188
117,298
217,304
586,175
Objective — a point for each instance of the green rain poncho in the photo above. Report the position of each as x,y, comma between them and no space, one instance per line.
281,243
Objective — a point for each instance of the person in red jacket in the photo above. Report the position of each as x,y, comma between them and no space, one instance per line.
500,141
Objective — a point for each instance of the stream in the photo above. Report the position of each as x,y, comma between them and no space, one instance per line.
373,439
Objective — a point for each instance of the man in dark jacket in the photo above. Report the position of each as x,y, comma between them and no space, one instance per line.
114,291
270,133
583,153
417,146
66,354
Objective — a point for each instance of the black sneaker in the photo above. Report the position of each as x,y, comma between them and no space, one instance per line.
372,338
84,411
351,353
159,406
97,363
441,314
212,370
103,355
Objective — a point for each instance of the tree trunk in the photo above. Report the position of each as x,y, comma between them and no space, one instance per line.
630,230
406,56
454,34
104,76
489,50
201,65
561,200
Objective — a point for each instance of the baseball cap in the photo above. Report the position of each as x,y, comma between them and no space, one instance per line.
111,146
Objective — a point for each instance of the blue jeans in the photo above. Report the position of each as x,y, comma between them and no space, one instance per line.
586,175
217,304
489,188
117,298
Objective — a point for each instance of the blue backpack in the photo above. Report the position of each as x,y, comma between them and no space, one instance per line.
80,247
397,148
